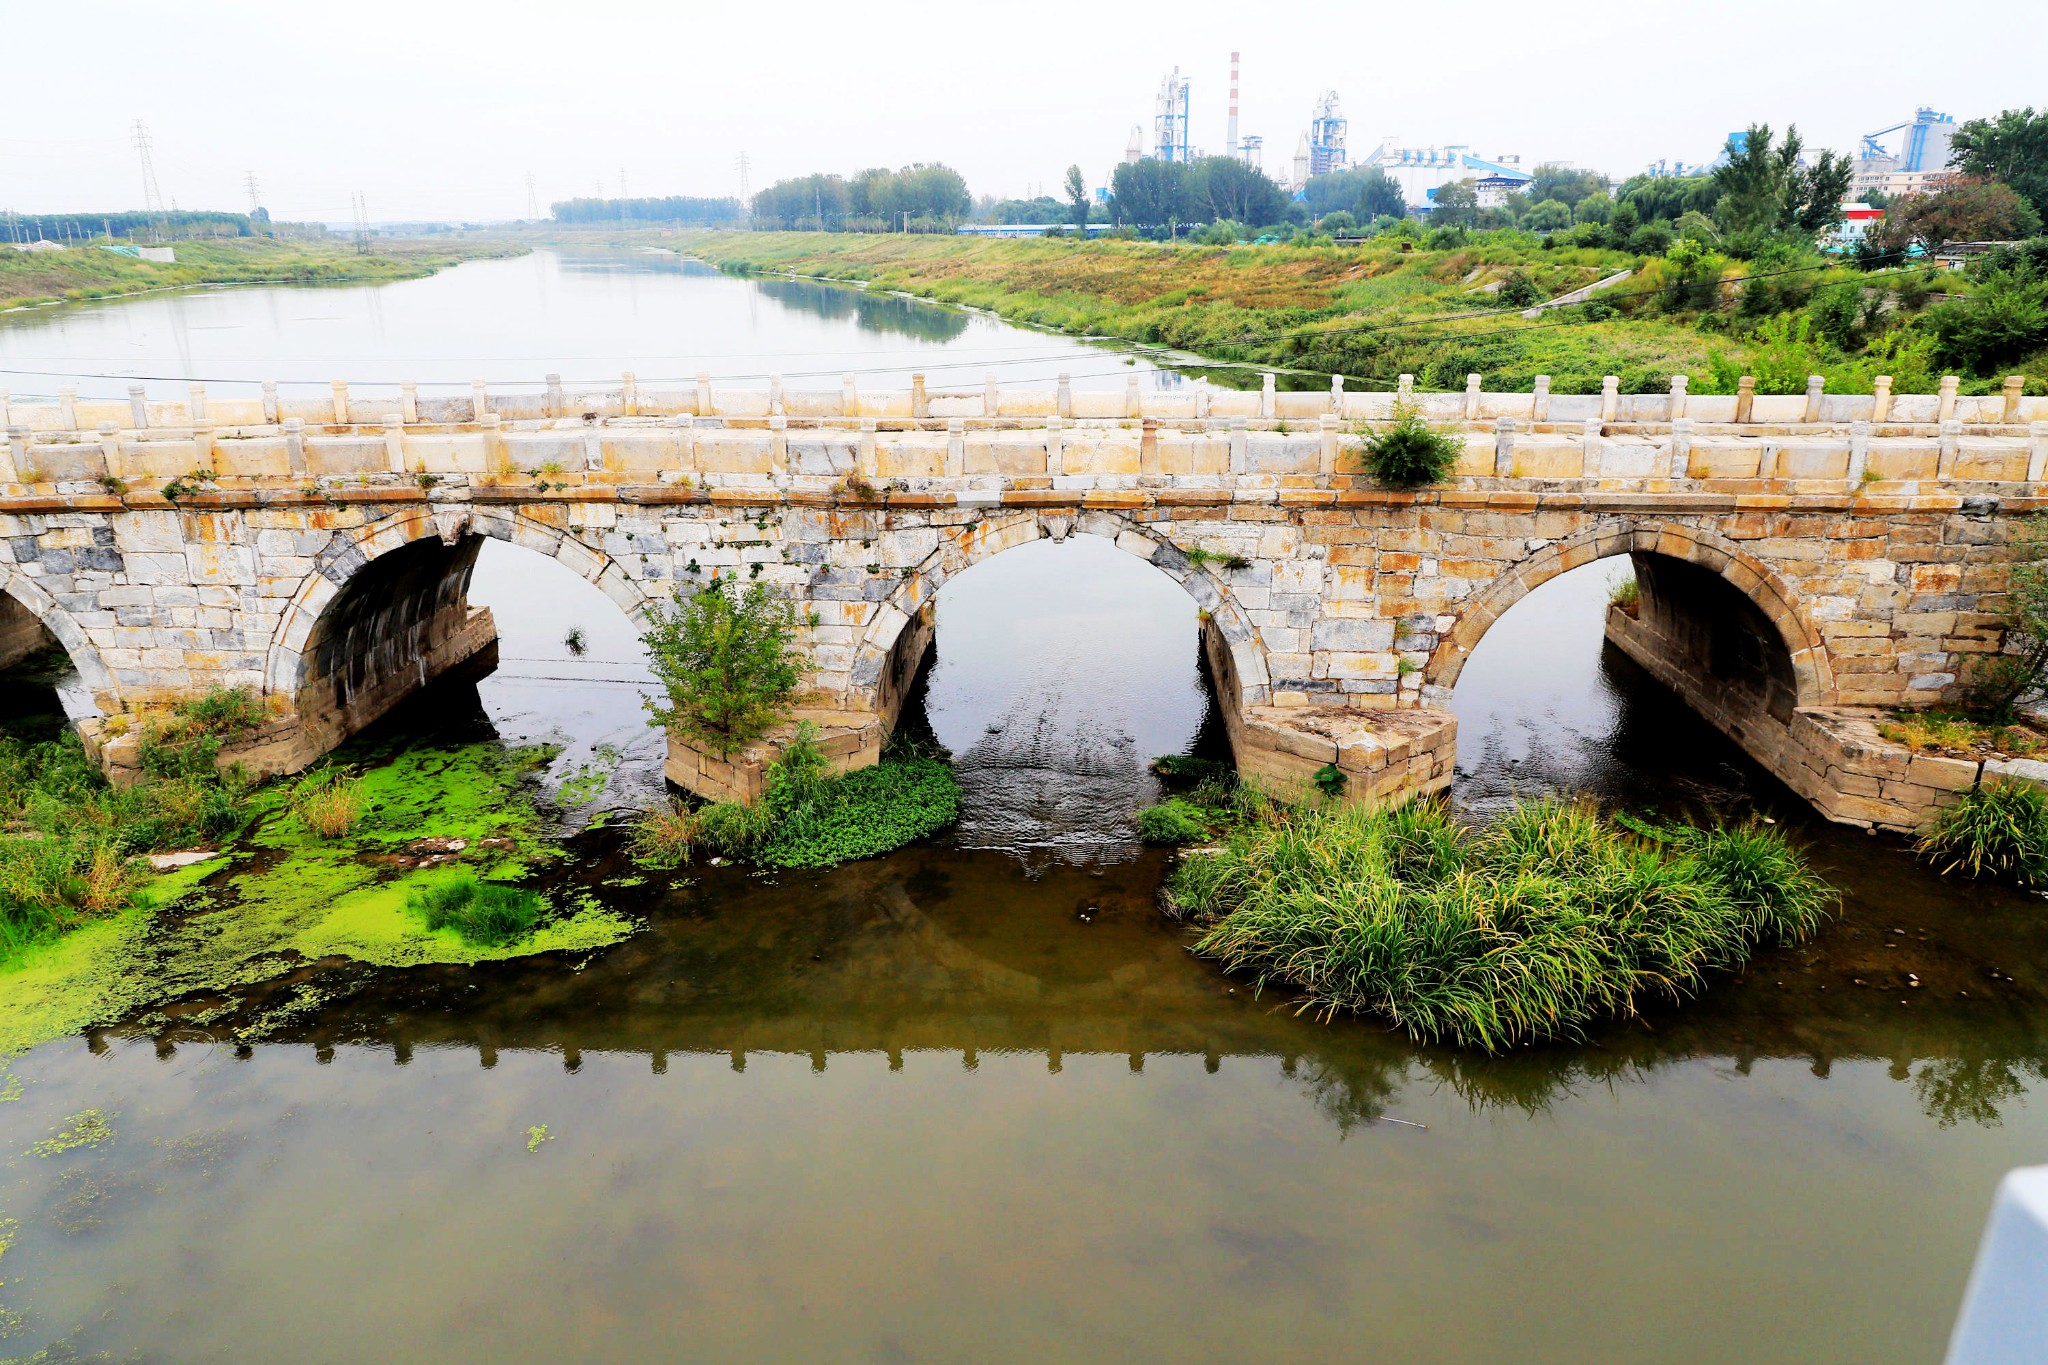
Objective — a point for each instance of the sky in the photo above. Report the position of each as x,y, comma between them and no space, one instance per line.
434,110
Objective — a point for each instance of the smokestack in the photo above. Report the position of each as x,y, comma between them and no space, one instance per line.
1233,104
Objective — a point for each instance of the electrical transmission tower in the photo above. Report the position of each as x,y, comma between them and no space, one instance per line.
532,199
362,212
152,197
744,165
250,183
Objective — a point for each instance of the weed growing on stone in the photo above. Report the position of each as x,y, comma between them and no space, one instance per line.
1408,452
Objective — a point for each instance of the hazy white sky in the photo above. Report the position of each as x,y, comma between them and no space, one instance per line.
437,109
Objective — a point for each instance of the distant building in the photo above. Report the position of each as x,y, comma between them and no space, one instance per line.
1856,221
1895,183
1493,190
1420,171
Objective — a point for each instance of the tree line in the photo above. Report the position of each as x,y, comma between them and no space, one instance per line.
674,208
918,198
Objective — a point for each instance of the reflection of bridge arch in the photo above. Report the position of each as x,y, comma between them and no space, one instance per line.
879,654
1767,591
19,589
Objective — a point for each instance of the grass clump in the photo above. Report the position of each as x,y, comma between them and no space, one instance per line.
1497,936
1626,593
1173,822
487,914
185,738
330,801
1937,732
1997,831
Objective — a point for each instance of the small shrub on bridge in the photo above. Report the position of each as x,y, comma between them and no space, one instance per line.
728,662
1528,929
1998,831
1409,453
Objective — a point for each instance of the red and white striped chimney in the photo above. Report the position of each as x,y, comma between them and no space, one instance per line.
1233,104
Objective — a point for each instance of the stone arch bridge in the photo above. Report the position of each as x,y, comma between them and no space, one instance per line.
1802,561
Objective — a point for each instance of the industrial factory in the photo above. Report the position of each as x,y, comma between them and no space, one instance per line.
1321,148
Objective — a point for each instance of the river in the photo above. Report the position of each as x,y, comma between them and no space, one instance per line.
976,1101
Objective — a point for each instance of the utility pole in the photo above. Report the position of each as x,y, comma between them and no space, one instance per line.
744,165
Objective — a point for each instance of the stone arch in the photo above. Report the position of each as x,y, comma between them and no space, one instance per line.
351,550
962,547
85,657
1755,580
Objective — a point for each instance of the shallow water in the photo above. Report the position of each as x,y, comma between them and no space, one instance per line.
976,1101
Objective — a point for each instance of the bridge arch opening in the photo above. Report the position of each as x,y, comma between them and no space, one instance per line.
50,675
1055,669
1637,676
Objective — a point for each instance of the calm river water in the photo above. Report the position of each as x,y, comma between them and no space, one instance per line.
975,1101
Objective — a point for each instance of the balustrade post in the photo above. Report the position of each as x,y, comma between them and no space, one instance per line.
1269,402
409,402
1240,445
849,396
1134,405
138,408
495,462
1947,410
14,465
1472,383
629,394
1504,447
1678,396
920,402
1745,398
1404,389
1055,446
110,449
2037,451
6,409
1592,456
775,408
2015,386
394,442
991,395
778,445
1202,398
553,402
1539,400
195,402
202,447
67,405
1951,449
956,447
864,459
1816,388
1327,456
295,444
1859,452
1063,397
479,400
703,393
1881,399
270,408
1337,395
1610,397
1681,445
340,388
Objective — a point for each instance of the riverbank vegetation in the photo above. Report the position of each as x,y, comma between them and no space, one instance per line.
86,271
809,816
1997,830
1528,928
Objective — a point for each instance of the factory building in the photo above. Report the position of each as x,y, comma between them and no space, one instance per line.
1420,171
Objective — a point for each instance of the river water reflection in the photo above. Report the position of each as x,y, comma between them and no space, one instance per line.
975,1101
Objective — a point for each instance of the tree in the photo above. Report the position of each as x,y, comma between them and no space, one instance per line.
1077,196
1566,184
2001,681
2012,147
1596,207
2004,321
1548,216
1379,195
1767,190
728,661
1455,205
1966,208
1151,193
1224,187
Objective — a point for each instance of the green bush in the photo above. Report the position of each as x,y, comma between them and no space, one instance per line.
728,663
1409,453
1997,831
487,914
1492,937
1172,822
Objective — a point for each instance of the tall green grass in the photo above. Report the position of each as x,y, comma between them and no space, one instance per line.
488,914
1494,936
1998,830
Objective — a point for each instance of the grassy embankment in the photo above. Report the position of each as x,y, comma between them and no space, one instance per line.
389,857
1491,937
1371,311
87,272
